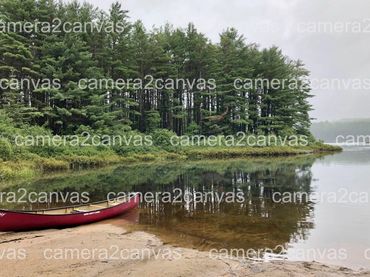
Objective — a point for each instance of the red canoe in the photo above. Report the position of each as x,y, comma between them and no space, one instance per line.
65,217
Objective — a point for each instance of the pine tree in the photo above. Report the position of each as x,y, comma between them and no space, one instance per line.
116,49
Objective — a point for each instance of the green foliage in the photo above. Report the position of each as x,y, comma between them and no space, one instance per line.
181,54
193,129
6,151
162,137
153,120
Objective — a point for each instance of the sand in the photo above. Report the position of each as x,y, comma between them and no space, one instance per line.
108,250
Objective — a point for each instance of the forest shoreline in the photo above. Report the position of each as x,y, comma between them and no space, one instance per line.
35,166
102,236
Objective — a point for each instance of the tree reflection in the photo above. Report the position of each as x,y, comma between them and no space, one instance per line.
256,223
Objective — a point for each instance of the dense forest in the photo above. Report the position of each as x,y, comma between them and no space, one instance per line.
133,52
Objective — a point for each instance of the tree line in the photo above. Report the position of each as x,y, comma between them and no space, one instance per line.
133,52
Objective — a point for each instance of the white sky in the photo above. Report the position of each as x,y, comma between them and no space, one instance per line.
344,55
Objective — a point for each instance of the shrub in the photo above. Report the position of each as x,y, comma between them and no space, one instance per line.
162,137
153,120
193,129
129,150
6,151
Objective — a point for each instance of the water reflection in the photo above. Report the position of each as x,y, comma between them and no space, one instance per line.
256,223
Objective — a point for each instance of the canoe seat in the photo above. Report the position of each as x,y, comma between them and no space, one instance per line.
99,207
76,211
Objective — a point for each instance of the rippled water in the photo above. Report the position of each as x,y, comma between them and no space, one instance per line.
334,227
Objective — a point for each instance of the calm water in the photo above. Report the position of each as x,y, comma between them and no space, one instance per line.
335,229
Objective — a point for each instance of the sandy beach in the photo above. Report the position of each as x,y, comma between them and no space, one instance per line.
108,250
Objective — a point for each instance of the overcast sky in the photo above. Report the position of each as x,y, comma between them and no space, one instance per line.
288,24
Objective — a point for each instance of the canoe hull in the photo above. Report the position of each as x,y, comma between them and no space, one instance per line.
22,221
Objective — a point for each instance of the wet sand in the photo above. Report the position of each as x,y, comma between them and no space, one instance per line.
118,252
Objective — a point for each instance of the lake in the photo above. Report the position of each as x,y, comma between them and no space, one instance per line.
296,208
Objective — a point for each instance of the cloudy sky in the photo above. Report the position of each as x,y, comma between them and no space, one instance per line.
332,37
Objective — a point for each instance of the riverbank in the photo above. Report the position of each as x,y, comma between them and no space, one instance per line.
106,249
33,165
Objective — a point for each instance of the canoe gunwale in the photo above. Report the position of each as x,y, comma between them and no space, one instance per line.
36,212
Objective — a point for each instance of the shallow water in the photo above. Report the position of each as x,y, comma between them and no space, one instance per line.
334,227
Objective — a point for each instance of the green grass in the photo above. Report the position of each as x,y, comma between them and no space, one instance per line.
239,152
25,164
